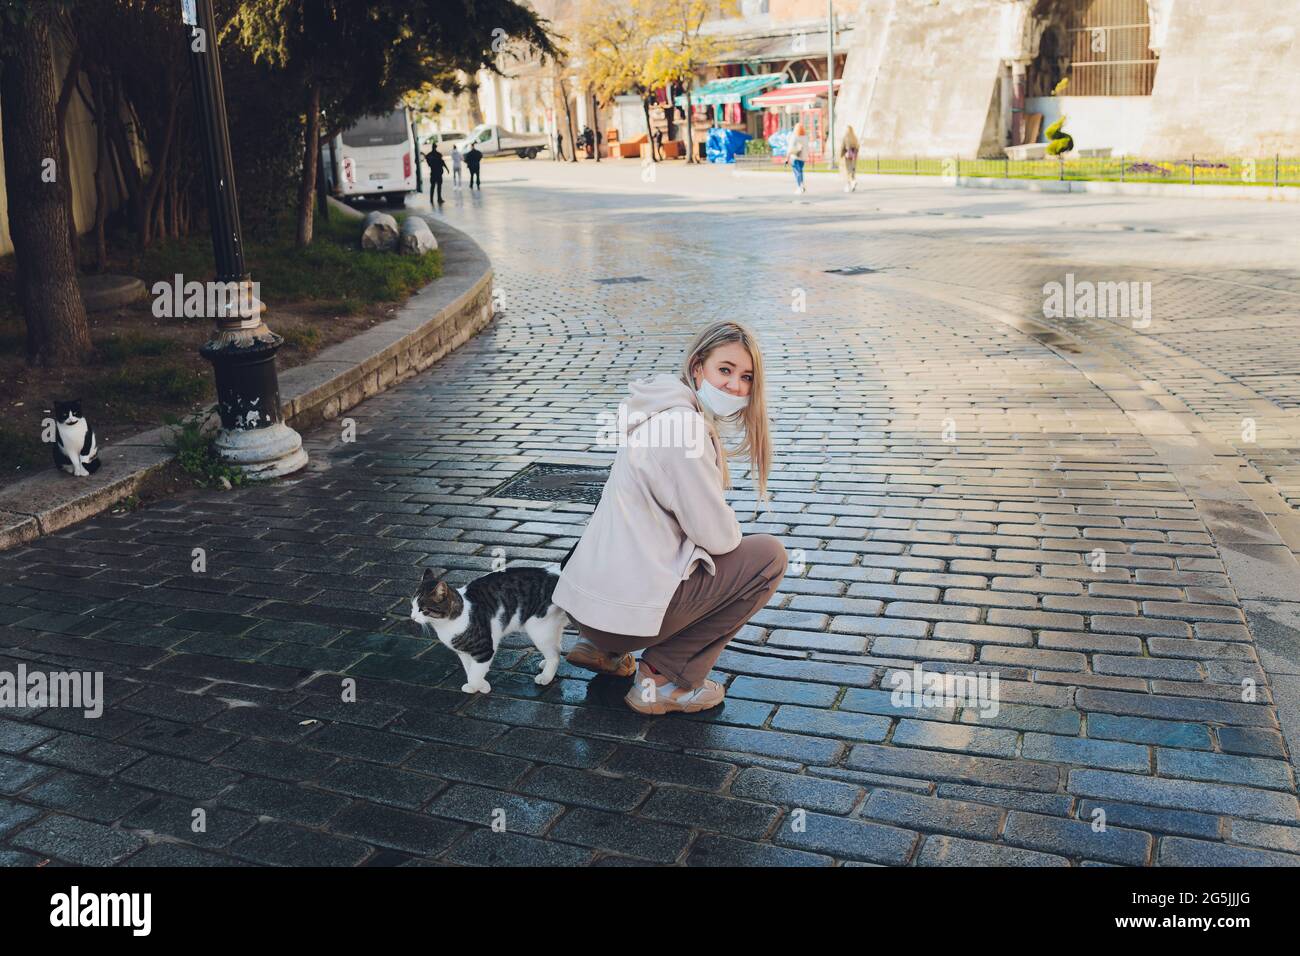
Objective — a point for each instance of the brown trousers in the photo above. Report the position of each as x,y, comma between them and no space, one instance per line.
706,611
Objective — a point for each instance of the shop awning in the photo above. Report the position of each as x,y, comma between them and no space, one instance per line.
730,89
793,95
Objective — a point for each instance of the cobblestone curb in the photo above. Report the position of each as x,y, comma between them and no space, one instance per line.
433,322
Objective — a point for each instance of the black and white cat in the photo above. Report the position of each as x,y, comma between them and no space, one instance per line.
472,620
75,448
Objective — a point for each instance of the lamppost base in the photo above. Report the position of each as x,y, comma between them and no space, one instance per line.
261,453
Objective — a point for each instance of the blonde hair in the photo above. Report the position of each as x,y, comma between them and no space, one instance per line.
756,447
850,139
798,129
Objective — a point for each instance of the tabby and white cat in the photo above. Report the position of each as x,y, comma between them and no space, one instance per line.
472,620
75,448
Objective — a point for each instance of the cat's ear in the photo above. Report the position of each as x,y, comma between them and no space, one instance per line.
428,573
440,591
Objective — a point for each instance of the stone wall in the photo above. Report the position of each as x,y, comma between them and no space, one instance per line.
1228,83
922,77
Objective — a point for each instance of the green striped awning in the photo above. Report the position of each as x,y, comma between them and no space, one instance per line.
731,89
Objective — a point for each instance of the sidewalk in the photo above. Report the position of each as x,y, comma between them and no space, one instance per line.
1121,688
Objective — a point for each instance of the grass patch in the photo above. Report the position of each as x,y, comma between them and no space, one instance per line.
21,450
333,268
120,348
169,383
306,339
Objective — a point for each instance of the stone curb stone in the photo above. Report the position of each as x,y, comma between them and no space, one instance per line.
434,321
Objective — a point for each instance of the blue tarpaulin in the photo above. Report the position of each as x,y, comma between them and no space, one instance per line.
724,144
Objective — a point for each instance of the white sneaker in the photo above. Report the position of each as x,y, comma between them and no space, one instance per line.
654,694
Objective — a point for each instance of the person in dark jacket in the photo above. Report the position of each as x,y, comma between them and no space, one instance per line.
437,166
472,160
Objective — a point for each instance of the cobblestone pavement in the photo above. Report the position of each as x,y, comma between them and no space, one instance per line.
961,483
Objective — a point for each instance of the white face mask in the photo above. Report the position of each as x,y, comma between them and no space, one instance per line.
720,402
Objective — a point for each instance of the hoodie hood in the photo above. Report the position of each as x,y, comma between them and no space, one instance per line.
650,396
687,425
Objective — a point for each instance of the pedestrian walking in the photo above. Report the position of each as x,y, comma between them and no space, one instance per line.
796,152
662,564
559,147
456,161
437,166
472,159
849,159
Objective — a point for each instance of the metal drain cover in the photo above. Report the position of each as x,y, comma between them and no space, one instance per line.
539,482
852,271
620,280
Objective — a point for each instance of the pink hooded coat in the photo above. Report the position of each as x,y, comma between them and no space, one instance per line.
662,512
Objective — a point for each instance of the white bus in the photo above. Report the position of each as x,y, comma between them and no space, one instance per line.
376,157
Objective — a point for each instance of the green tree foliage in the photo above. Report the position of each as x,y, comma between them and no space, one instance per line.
349,59
682,49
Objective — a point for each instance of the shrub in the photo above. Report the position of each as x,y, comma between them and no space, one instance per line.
1058,141
194,453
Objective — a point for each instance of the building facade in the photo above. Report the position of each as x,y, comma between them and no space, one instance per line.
1158,78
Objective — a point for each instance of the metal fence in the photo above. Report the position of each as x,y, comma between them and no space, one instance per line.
1195,170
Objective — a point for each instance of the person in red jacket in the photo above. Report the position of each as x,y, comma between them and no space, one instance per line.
662,565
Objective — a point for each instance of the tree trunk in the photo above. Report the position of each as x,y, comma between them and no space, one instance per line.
595,127
649,133
568,118
151,204
475,107
48,293
131,180
322,188
101,175
310,155
690,129
65,162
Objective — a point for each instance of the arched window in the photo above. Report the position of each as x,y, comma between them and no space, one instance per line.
801,71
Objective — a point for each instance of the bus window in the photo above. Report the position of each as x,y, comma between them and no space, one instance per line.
387,130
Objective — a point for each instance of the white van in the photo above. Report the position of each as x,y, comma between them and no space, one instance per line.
374,158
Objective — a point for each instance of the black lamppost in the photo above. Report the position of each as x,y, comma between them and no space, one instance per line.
253,436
